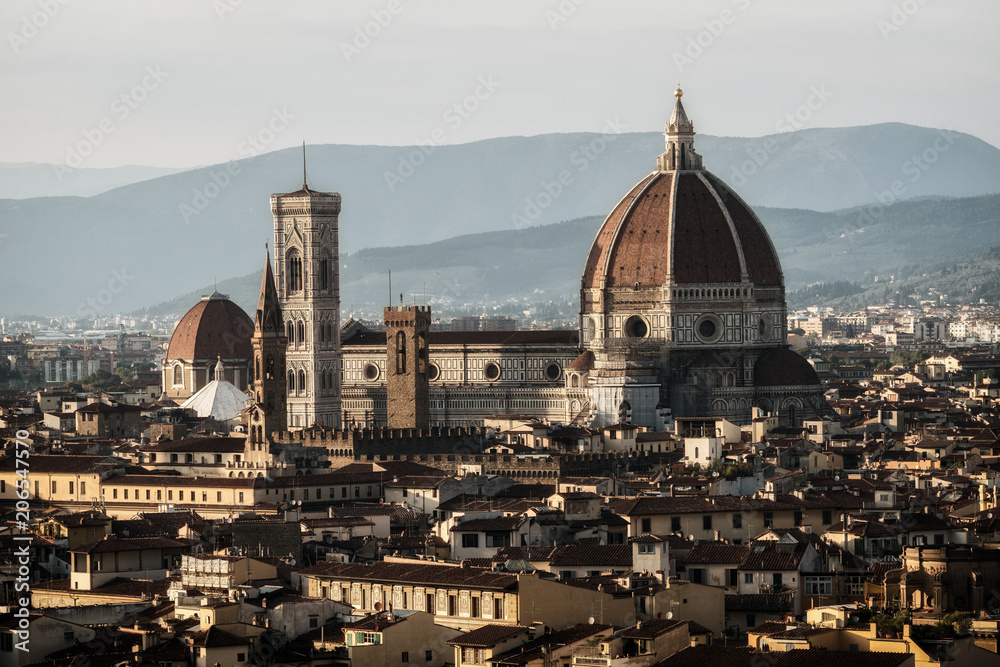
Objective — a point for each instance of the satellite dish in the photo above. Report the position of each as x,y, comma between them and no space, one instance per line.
590,620
378,606
670,615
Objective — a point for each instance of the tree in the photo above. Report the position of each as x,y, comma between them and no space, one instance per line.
834,360
125,373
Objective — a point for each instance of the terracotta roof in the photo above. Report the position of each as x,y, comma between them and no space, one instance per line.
717,553
502,523
650,629
488,635
533,650
111,544
227,445
614,555
216,637
744,656
214,327
417,572
584,362
58,464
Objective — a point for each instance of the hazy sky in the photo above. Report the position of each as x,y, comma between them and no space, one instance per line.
192,82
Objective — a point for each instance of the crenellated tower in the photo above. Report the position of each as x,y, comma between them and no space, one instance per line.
408,387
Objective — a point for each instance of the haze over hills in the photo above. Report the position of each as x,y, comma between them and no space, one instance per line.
20,180
541,264
149,241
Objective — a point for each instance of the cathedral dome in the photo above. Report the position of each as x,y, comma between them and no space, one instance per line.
215,327
685,228
783,368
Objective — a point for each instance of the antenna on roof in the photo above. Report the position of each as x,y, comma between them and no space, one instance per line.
390,288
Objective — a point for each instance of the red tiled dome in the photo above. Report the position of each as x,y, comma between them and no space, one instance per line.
783,368
686,223
214,327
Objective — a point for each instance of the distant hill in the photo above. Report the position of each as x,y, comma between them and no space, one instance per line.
961,278
149,241
545,263
27,180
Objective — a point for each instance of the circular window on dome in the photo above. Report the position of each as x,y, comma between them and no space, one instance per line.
552,371
433,372
492,372
636,327
708,328
764,325
371,372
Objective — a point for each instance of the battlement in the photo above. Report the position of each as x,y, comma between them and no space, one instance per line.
404,315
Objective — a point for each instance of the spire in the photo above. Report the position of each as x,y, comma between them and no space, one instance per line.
305,185
679,132
268,316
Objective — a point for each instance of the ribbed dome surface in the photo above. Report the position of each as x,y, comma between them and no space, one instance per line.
687,224
214,327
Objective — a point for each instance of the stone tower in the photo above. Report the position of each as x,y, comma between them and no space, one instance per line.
269,407
408,390
307,275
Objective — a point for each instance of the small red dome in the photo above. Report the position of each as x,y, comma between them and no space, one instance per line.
214,327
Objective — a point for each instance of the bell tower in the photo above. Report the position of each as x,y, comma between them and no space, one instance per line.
408,390
307,277
268,410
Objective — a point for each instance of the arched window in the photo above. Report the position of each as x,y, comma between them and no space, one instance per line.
401,352
322,332
324,273
289,332
294,272
322,380
178,374
302,381
302,333
256,363
291,381
269,368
